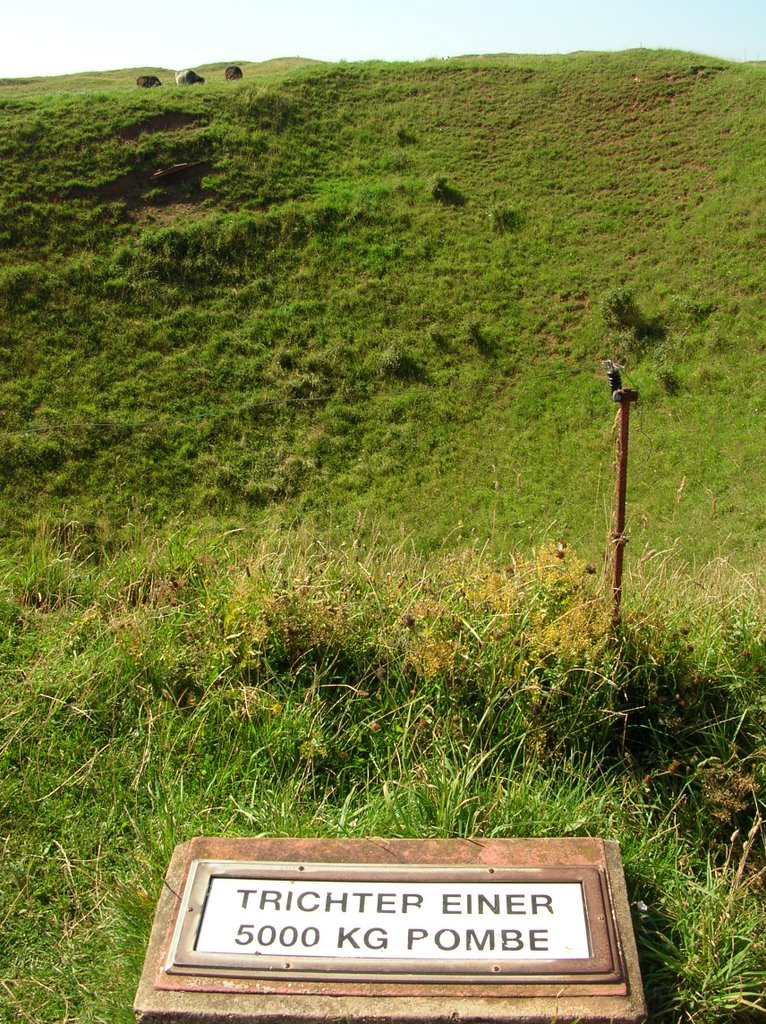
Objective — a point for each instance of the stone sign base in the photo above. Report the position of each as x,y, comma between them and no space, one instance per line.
381,931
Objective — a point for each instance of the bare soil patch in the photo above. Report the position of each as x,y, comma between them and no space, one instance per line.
180,185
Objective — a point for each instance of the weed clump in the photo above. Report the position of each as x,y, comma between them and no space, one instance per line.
405,137
444,193
396,362
505,219
620,311
477,335
632,331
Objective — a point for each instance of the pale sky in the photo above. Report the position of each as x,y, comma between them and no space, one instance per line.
50,37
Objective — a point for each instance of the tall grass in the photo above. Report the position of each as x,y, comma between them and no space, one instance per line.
186,683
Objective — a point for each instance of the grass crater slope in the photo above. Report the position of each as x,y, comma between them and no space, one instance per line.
388,290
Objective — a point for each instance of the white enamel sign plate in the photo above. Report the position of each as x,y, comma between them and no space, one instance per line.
404,920
303,921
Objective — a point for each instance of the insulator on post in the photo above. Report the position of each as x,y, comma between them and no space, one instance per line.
615,380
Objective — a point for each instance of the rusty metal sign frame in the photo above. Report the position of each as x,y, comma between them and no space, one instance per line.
603,966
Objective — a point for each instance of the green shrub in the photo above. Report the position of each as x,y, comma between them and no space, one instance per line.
444,193
634,331
620,311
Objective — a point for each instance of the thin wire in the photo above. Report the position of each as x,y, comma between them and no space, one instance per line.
643,432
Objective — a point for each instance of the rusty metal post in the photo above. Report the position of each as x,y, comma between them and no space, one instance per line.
625,396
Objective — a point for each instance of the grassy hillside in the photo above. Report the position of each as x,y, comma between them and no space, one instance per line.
387,291
302,392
